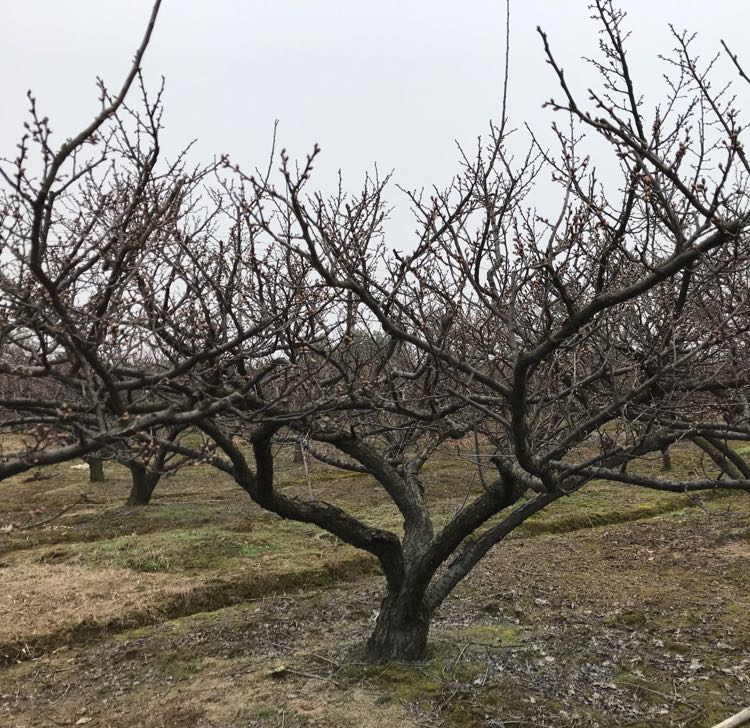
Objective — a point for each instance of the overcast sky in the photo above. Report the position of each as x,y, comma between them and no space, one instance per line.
387,81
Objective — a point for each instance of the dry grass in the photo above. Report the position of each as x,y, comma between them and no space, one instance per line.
642,624
203,544
41,601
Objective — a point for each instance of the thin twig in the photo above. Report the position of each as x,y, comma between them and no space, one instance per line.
44,521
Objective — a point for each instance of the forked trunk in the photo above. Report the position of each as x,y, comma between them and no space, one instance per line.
142,486
400,631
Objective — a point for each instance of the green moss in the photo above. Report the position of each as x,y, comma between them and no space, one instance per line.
632,619
605,504
134,634
270,546
501,697
407,682
177,663
655,686
677,619
503,634
175,551
462,714
674,646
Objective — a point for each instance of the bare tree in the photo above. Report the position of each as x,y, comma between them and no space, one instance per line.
142,297
586,339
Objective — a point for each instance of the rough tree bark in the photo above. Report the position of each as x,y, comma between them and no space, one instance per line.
143,483
401,629
96,469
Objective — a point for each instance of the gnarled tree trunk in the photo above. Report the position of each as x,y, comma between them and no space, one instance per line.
144,482
400,631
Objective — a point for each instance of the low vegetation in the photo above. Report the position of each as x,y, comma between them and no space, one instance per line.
143,616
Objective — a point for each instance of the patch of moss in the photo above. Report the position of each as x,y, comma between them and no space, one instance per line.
500,697
464,714
495,635
631,619
675,646
177,663
270,546
409,683
604,505
653,687
175,551
677,619
261,713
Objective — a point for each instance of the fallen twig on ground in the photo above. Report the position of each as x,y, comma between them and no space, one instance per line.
26,526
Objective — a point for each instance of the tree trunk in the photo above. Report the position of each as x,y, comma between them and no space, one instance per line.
142,486
299,455
400,632
713,449
96,469
666,460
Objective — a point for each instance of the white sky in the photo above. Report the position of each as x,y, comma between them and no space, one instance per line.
387,81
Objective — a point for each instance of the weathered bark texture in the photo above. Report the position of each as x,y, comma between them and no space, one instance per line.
143,483
400,631
96,469
726,459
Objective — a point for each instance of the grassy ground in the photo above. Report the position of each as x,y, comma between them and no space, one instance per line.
616,606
